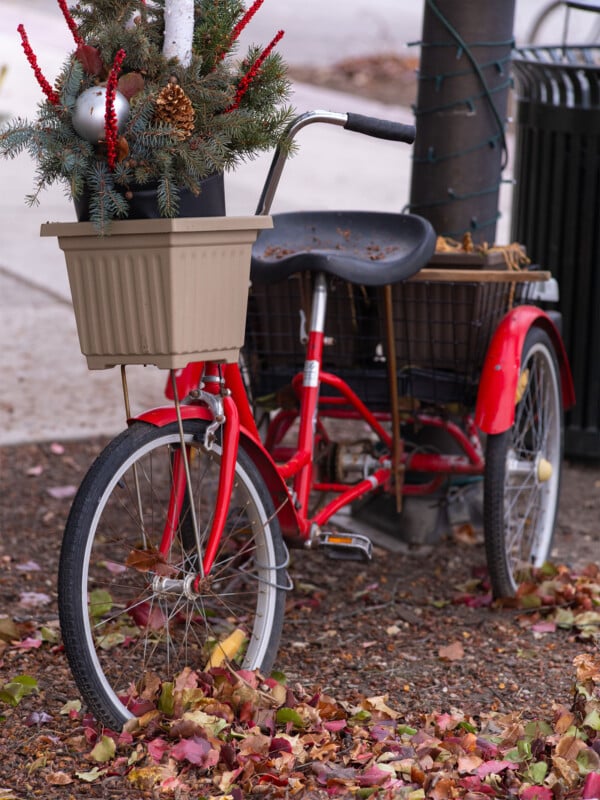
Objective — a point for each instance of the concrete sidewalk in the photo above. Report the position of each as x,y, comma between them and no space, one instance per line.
47,391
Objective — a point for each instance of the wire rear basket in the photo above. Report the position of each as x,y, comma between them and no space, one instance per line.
443,321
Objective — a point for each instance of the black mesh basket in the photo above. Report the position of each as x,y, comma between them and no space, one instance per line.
442,329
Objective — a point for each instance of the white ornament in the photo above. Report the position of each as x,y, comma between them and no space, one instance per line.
89,114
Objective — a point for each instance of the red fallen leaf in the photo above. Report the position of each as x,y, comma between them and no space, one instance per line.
195,750
146,616
157,748
474,600
276,780
544,627
280,745
494,767
591,787
137,706
536,793
474,784
29,644
251,678
374,776
90,59
90,733
335,725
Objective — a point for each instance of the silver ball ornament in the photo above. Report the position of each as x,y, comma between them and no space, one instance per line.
89,114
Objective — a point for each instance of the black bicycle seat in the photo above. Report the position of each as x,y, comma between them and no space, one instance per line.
364,247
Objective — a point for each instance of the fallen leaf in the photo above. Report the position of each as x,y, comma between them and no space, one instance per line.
379,704
29,644
28,566
591,787
59,779
452,652
8,630
33,599
495,767
195,750
18,688
37,718
92,775
62,492
104,750
536,793
544,627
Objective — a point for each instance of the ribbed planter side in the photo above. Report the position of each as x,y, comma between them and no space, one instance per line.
163,292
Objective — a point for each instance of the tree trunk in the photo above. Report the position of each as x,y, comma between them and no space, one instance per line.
461,113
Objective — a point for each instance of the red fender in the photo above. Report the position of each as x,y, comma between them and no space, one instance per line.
495,409
286,512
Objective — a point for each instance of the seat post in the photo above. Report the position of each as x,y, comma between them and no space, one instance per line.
310,388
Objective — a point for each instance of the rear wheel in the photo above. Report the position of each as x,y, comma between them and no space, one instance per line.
130,614
522,471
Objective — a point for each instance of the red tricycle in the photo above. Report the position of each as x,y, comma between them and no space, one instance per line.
175,552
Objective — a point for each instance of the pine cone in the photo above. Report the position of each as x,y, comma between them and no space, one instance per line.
174,108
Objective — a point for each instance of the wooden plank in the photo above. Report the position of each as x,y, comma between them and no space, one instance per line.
480,276
449,259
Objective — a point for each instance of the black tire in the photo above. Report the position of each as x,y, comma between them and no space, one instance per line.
522,472
120,620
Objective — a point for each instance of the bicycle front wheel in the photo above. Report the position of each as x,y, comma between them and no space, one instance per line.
127,612
522,472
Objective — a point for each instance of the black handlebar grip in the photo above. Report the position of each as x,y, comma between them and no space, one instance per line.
381,128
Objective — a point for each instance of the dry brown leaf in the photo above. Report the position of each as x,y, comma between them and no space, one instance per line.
452,652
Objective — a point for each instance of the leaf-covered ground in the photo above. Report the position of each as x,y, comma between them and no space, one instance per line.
398,679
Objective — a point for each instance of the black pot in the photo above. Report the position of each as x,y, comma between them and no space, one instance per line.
144,204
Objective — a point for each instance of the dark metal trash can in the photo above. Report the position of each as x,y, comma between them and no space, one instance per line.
556,207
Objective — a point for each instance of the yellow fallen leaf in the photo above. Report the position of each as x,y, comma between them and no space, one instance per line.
226,650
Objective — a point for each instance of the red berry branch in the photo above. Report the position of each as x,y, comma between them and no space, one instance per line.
46,88
245,20
245,82
239,27
70,21
110,117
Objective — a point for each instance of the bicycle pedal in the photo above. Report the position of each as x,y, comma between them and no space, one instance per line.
346,546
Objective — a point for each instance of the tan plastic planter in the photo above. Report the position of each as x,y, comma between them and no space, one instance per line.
159,291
